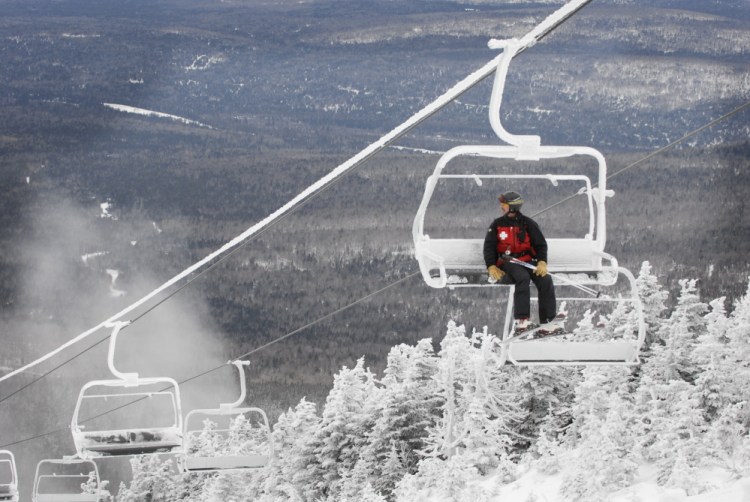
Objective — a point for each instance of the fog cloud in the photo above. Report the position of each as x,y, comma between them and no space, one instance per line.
73,261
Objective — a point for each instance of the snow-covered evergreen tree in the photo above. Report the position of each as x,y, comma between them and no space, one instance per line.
153,479
547,451
409,405
680,333
347,420
543,390
492,411
653,298
92,485
603,457
677,430
443,480
286,474
738,334
714,361
729,441
479,408
231,486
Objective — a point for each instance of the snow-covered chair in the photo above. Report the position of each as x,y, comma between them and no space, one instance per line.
157,428
581,261
198,457
61,480
8,477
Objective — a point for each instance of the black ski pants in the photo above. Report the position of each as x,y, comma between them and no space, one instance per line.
522,277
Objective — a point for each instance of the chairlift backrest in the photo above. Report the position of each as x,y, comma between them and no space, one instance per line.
8,477
585,254
227,458
161,432
62,480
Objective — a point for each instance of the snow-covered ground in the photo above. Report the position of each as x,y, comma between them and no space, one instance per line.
540,487
151,113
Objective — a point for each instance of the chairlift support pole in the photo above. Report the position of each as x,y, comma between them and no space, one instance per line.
530,39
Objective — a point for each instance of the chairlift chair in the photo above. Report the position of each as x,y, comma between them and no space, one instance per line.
63,480
8,477
158,399
454,262
255,456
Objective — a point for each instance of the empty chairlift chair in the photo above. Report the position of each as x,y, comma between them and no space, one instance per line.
8,477
575,263
240,442
127,415
69,479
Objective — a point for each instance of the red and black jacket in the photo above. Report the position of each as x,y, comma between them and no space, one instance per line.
517,237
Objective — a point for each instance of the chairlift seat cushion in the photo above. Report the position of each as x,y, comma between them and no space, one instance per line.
130,442
564,255
133,448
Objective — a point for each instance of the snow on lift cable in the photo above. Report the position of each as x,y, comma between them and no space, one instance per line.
453,262
528,40
250,456
159,426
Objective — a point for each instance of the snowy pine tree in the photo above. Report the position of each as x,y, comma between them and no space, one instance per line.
286,474
601,434
152,479
680,333
345,426
738,334
454,373
677,429
653,298
479,408
729,441
450,480
92,485
713,357
408,406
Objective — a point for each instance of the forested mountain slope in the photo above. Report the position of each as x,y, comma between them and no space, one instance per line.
100,205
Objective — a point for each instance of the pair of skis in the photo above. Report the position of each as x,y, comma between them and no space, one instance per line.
550,329
547,330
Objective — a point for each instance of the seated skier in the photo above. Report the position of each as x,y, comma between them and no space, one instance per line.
516,236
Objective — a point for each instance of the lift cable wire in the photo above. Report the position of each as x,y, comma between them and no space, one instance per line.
529,39
246,354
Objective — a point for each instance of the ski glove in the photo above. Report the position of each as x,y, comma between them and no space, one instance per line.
495,272
541,269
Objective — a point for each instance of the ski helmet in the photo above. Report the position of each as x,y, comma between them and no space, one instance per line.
513,199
